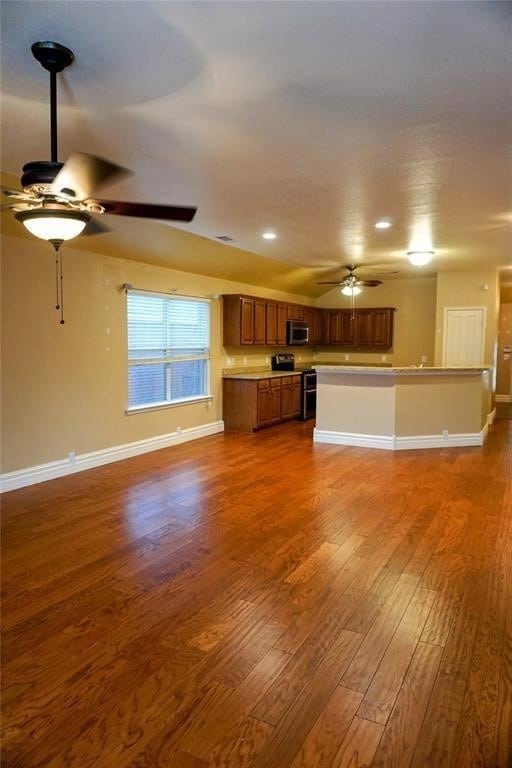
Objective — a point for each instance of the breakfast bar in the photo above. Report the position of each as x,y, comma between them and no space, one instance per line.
403,407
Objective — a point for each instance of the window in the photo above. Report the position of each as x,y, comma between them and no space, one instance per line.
168,349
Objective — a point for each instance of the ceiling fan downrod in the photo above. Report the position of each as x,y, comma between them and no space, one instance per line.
53,57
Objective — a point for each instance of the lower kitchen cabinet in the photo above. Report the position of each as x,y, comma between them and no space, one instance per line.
250,404
290,398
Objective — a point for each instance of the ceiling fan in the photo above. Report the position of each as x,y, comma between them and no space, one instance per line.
351,284
58,200
63,192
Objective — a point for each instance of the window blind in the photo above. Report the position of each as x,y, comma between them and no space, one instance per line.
168,349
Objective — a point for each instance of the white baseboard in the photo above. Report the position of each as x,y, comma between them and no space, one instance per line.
503,398
31,475
353,438
394,443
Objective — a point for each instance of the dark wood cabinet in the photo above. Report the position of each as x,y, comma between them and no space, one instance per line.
250,404
259,322
271,324
264,406
348,329
317,332
383,328
282,316
244,321
295,312
248,320
363,328
309,319
276,317
314,319
290,397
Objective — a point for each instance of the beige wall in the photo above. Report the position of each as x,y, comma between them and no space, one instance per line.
466,289
415,302
65,387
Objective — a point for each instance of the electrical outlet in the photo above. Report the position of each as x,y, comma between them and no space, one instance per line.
445,434
72,457
423,358
178,430
347,357
244,359
267,359
230,361
383,358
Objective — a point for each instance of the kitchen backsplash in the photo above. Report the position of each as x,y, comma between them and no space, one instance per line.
252,360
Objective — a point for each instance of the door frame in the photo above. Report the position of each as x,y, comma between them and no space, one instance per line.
445,328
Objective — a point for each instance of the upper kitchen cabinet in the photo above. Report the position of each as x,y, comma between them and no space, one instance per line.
314,319
249,320
340,328
295,312
362,328
244,321
383,327
276,317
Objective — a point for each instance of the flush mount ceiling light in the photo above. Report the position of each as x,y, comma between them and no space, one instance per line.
350,290
54,225
269,235
383,224
420,258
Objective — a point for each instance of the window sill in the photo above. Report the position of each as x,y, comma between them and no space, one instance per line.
161,406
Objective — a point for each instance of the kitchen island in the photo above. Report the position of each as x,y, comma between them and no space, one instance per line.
400,408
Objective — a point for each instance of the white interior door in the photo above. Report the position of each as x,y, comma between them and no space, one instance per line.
464,336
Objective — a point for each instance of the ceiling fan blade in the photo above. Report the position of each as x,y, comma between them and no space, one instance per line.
96,227
330,282
146,210
82,174
369,283
18,194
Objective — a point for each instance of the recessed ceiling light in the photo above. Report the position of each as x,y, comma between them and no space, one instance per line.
420,258
269,235
383,224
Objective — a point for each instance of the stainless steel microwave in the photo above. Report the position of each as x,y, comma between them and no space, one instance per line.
296,333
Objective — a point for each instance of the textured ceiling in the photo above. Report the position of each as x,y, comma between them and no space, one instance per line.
311,118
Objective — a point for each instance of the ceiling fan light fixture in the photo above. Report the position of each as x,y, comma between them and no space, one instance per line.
383,224
54,225
420,258
351,290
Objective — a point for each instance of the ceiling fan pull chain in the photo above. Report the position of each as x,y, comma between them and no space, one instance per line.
57,305
59,278
61,291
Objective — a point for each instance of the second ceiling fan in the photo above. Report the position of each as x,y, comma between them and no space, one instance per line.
351,283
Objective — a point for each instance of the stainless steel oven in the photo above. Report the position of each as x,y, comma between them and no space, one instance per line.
308,395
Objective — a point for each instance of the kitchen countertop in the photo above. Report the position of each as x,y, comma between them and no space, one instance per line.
263,373
399,370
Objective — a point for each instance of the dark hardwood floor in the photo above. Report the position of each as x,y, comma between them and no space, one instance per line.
260,601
